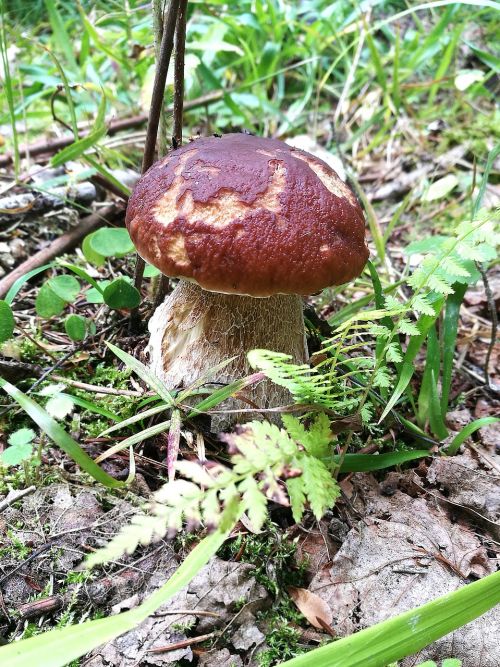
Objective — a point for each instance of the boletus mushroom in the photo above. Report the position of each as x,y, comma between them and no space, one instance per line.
248,225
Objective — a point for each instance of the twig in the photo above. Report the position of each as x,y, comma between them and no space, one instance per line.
15,497
167,43
47,148
187,612
494,321
180,47
97,389
61,245
51,147
182,644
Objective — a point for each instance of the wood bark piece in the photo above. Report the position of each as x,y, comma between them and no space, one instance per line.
62,244
40,607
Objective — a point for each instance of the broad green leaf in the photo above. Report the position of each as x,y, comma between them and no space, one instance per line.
65,287
59,406
151,271
90,254
62,439
21,437
16,454
439,189
121,294
407,633
47,303
76,327
7,322
111,242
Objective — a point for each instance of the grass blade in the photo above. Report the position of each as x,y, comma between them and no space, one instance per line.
61,36
369,462
144,373
135,418
467,431
62,439
407,369
134,439
450,330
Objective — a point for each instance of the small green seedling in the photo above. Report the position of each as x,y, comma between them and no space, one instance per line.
20,447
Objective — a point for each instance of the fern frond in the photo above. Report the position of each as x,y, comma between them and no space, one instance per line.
304,383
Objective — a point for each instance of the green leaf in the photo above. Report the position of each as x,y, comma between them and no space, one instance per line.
7,322
407,633
90,254
295,488
65,287
21,437
429,406
75,150
467,431
121,294
16,454
76,327
369,462
62,38
59,406
407,368
111,242
47,303
439,189
151,271
78,147
60,436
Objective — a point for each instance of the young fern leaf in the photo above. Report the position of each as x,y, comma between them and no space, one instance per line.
304,383
262,457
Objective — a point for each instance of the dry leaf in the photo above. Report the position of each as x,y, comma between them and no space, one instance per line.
314,608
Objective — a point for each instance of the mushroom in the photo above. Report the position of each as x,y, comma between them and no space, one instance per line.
248,225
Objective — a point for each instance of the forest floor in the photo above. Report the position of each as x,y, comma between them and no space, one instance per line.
394,540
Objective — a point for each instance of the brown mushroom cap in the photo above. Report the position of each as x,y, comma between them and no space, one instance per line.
245,215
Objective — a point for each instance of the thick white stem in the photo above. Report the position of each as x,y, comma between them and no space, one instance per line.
193,331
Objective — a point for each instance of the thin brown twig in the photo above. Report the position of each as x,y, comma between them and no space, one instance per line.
180,47
167,44
494,321
182,644
60,245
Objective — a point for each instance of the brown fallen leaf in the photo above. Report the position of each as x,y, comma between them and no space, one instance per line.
314,608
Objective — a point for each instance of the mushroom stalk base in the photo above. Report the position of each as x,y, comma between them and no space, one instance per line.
194,330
